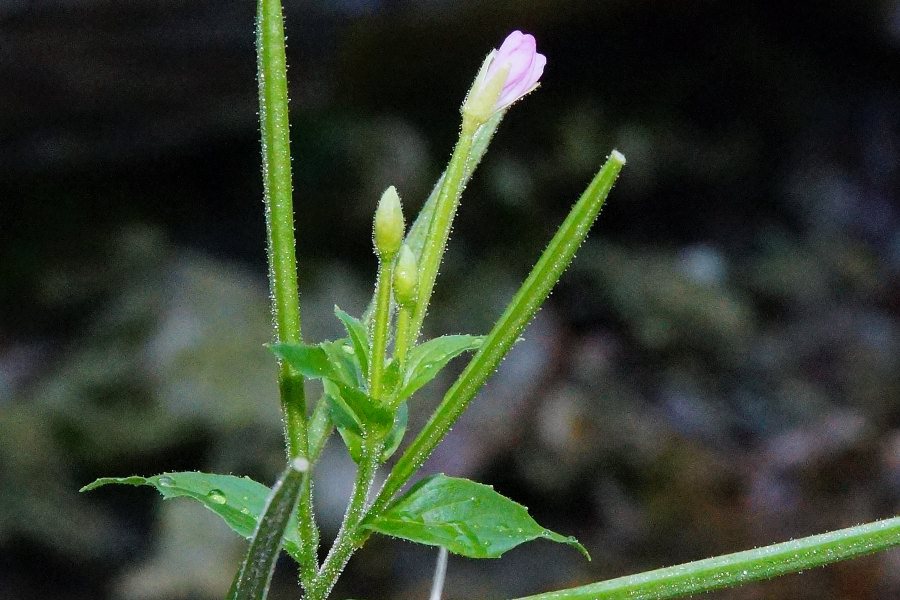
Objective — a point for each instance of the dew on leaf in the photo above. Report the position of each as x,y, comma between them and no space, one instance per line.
216,497
165,481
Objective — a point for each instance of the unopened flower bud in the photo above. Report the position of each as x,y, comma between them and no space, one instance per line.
389,225
406,277
508,73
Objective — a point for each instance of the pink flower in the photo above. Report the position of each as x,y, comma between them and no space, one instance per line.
519,54
507,74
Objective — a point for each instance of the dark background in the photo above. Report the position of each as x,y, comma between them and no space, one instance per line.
719,370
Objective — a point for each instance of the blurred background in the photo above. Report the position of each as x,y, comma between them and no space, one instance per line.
719,370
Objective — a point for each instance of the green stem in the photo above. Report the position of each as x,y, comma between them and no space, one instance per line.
418,232
441,222
380,325
348,538
276,162
742,567
537,286
401,341
252,580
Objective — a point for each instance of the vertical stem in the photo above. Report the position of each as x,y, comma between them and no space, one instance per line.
441,222
401,341
276,163
380,325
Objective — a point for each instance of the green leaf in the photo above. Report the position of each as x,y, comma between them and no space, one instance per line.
238,500
310,361
465,517
392,442
732,570
328,360
345,369
354,413
426,360
365,411
342,415
252,580
320,428
358,337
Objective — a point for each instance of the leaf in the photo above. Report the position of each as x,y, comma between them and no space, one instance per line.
328,360
358,337
364,412
238,500
310,361
343,417
465,517
392,442
352,412
320,428
252,580
426,360
345,369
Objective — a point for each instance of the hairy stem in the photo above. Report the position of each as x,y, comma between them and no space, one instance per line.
441,223
380,325
401,341
348,538
736,569
276,166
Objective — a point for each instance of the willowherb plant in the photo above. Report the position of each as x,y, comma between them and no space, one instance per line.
370,376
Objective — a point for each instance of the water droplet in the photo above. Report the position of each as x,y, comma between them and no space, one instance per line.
166,481
216,497
245,511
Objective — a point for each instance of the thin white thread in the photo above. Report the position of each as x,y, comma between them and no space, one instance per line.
440,574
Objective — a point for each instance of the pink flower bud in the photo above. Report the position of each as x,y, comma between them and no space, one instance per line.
518,53
506,75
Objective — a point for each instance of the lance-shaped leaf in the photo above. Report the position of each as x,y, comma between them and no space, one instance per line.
356,331
238,500
309,361
320,428
465,517
252,580
393,439
355,414
426,360
328,360
345,367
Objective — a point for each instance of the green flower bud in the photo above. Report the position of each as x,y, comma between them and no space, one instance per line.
406,277
389,225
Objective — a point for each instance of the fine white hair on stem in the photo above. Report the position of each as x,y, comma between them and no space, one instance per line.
440,573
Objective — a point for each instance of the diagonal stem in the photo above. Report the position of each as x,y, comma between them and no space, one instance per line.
348,538
521,309
742,567
441,222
